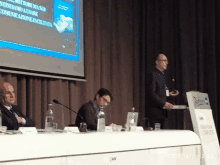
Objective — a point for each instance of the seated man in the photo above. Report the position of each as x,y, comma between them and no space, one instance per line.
12,116
90,110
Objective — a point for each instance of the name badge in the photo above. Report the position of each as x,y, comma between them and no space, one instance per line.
28,130
167,93
133,128
71,129
3,129
108,128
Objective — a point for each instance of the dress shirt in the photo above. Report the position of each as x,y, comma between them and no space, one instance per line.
160,70
164,78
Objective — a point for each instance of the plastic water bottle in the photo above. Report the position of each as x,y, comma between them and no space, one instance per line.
49,121
132,122
101,120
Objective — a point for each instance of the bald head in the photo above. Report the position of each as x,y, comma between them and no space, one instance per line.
7,94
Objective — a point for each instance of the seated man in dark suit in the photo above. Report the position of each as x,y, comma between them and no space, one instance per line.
12,116
90,110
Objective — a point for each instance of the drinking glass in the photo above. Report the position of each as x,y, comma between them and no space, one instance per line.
157,126
55,125
83,127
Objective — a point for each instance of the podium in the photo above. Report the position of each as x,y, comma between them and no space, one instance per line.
204,127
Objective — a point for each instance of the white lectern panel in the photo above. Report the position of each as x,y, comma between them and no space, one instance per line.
204,126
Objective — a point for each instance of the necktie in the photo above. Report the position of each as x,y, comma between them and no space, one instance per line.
12,111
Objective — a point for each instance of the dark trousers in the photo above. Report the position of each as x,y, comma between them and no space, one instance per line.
153,121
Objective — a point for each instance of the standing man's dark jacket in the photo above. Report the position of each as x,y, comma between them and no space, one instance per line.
156,95
9,119
88,112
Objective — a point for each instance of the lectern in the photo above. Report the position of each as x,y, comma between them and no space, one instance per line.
204,127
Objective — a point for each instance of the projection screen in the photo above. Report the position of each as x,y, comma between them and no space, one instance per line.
42,38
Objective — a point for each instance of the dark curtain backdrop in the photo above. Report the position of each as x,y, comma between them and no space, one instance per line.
187,32
120,39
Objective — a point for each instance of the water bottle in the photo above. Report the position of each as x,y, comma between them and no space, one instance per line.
49,122
132,122
101,120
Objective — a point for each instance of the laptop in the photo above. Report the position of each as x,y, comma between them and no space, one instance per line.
133,117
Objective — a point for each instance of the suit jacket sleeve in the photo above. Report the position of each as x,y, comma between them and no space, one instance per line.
29,122
151,87
89,117
10,122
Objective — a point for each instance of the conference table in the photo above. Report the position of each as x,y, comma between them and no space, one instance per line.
163,147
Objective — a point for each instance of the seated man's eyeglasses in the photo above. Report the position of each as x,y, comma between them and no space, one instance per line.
105,100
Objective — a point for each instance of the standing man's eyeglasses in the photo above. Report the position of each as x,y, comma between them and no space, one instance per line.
163,60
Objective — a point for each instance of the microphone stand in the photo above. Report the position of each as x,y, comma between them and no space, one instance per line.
148,127
83,126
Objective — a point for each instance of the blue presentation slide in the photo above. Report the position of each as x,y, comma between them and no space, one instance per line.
42,27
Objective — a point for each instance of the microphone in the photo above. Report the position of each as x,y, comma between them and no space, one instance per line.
57,102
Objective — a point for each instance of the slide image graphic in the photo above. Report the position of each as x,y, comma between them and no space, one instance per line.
64,24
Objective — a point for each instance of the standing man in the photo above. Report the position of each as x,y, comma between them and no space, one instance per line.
90,110
157,92
12,116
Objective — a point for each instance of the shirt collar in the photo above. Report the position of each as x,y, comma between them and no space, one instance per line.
8,107
93,104
96,108
160,71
